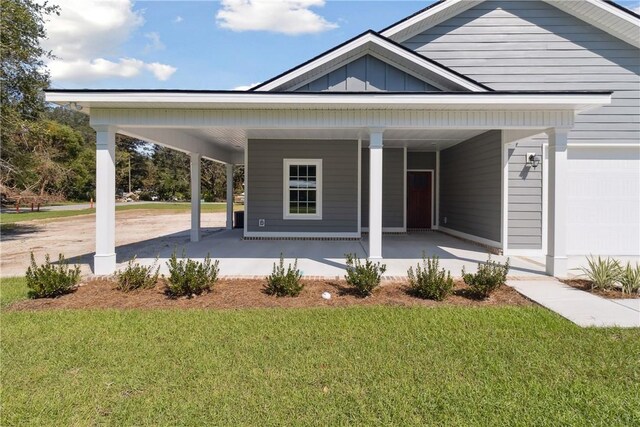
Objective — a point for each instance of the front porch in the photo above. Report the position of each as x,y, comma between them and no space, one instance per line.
309,131
319,258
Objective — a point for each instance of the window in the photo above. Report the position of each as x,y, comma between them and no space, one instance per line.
302,189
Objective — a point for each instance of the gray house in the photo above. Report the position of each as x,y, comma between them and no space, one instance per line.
514,124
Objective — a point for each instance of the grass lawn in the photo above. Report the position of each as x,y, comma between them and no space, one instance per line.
12,289
11,218
357,366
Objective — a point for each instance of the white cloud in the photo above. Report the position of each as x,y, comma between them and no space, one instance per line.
161,71
154,42
636,10
87,37
245,87
178,19
281,16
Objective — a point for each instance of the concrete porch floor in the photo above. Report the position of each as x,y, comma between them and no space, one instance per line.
324,258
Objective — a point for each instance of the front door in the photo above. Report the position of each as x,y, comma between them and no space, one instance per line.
419,199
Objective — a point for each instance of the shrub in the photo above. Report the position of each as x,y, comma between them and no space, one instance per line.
51,280
363,277
429,282
283,283
602,272
136,276
630,279
188,277
489,277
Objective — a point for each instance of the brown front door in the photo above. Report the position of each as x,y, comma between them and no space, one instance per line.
419,199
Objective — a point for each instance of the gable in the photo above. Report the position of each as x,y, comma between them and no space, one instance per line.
372,44
367,74
605,15
521,45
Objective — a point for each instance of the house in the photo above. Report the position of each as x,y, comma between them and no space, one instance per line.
514,124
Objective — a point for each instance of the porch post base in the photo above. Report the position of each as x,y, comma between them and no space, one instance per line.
375,258
557,266
104,265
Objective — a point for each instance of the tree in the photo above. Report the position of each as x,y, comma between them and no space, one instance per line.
22,73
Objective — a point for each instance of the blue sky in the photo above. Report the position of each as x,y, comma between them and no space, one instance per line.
185,45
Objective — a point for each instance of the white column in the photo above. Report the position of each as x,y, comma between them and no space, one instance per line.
104,261
195,196
437,210
229,196
557,204
375,193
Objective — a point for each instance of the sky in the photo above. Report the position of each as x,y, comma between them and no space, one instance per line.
187,44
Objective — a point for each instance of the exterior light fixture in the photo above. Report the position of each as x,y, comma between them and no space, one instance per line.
532,160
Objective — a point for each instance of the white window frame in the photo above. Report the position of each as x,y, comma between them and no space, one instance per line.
285,188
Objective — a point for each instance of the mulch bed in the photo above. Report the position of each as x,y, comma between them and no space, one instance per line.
236,293
585,285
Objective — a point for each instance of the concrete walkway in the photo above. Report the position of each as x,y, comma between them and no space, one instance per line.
582,308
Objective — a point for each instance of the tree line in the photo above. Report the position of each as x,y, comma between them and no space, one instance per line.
48,154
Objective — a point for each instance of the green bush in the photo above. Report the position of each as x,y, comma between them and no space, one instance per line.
188,277
363,277
51,280
602,272
283,283
428,281
489,277
630,279
136,276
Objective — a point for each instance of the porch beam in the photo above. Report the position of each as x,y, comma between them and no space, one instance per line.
375,193
104,262
296,118
229,196
556,260
195,196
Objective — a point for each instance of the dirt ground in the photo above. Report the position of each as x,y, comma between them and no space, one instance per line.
585,285
233,294
75,236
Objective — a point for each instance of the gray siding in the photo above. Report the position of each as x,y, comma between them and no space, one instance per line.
369,74
392,187
339,185
421,160
531,45
470,186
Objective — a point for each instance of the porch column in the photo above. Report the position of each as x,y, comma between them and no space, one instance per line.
375,193
104,261
556,261
229,196
195,196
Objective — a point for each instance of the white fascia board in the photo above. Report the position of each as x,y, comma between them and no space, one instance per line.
438,14
625,27
361,43
280,101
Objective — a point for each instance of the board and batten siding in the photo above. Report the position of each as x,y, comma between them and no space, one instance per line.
392,188
367,74
531,45
470,186
339,185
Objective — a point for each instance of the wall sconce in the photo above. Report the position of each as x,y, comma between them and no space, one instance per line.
532,160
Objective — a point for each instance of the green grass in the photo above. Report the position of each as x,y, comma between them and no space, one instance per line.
356,366
12,289
11,218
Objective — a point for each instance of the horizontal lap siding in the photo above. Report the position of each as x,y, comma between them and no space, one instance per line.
367,74
531,45
392,187
470,186
339,185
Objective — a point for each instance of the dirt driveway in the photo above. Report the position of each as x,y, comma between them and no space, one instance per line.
75,237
